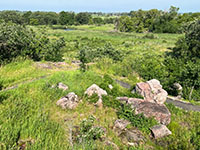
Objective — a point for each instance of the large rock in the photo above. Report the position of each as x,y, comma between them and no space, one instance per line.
159,112
152,91
69,101
95,89
160,131
149,109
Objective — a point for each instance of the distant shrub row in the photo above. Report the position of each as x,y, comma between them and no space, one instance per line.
53,18
156,21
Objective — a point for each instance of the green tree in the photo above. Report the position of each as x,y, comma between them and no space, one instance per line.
66,18
83,18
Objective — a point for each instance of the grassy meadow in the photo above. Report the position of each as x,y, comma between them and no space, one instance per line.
28,114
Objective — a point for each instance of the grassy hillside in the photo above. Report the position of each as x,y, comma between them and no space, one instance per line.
29,115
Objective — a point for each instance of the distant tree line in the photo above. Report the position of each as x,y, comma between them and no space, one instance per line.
53,18
156,21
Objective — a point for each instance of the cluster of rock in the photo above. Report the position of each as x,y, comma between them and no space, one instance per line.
71,100
152,105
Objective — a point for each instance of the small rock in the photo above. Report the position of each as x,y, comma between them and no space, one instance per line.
69,101
110,86
63,86
123,99
120,125
132,136
160,131
179,90
113,145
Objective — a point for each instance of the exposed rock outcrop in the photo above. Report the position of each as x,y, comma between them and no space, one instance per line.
160,131
70,101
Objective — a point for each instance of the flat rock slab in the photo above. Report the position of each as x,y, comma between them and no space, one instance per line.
159,112
160,131
120,125
133,136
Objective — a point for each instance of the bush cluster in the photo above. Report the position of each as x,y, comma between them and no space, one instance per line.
88,131
17,40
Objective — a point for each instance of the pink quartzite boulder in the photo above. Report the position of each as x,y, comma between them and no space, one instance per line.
152,91
158,111
70,101
149,109
160,131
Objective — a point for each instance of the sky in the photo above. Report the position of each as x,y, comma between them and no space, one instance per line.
98,5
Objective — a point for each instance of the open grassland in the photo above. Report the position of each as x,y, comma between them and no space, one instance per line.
138,48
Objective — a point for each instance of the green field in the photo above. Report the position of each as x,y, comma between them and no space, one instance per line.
28,113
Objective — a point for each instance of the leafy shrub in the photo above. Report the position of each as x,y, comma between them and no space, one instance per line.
139,121
185,130
83,59
88,54
88,131
188,47
17,40
109,101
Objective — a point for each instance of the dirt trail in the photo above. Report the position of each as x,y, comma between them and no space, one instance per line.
24,82
170,100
